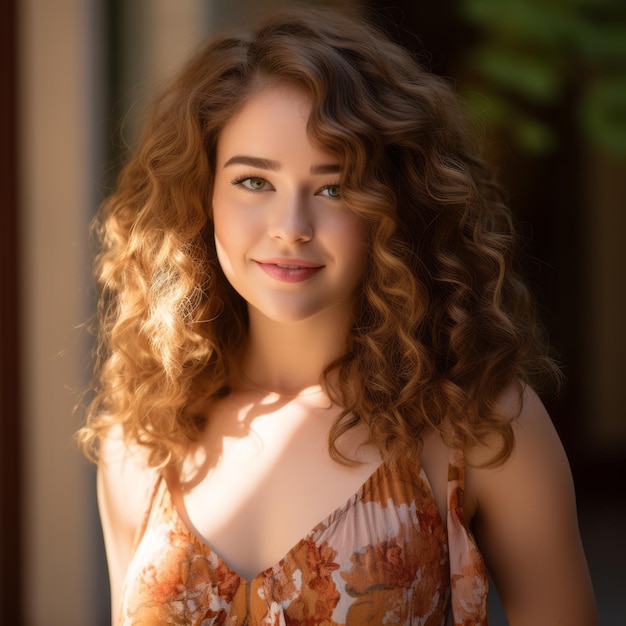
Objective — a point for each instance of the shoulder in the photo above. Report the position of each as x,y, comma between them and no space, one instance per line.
125,484
124,476
537,458
525,520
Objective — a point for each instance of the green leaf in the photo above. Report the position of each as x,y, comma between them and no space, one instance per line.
603,114
530,134
534,136
530,77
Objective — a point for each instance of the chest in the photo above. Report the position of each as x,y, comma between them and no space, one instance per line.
273,531
381,557
268,481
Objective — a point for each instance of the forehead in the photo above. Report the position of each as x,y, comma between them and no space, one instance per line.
273,102
273,118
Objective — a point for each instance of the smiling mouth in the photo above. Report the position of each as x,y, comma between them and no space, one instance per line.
288,267
289,272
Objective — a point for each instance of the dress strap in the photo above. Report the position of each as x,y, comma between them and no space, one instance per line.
468,574
149,498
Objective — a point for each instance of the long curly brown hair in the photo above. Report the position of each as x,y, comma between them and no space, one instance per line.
443,322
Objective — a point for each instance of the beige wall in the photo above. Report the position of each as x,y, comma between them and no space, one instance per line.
55,189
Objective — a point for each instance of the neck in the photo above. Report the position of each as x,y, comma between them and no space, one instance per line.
289,358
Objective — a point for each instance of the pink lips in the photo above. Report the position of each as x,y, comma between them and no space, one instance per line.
289,270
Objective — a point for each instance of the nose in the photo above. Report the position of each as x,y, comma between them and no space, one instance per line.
290,219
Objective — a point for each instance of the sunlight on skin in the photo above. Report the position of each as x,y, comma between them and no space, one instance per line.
252,428
268,447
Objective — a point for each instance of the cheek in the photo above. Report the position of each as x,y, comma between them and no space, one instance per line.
222,257
356,237
225,230
225,212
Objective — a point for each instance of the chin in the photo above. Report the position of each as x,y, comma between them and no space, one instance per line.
294,313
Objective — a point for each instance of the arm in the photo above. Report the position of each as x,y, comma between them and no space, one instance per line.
124,484
526,524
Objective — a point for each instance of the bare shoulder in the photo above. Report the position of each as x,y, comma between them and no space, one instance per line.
525,520
125,482
124,477
537,459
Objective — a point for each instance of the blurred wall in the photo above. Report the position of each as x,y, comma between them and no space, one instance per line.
57,86
604,304
10,423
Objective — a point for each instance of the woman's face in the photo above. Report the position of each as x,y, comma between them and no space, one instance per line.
285,239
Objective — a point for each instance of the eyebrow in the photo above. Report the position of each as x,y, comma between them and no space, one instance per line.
274,166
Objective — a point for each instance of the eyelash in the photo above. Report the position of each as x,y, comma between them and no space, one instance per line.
239,182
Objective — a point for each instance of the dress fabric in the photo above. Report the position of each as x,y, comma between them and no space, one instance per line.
384,557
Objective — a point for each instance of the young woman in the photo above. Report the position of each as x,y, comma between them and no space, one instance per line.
317,360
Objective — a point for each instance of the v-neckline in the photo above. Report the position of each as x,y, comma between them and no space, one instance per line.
326,522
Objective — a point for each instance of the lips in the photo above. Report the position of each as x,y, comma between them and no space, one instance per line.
289,270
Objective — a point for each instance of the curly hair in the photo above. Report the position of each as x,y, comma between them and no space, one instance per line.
443,322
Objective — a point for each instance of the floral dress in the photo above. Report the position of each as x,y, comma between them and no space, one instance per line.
384,557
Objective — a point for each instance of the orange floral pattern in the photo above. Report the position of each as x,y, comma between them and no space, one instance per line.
384,557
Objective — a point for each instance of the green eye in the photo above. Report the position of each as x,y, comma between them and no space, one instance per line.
331,191
252,183
256,183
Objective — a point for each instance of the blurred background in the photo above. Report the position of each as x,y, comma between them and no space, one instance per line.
545,79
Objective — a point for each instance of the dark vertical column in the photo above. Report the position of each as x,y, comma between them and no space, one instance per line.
10,417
